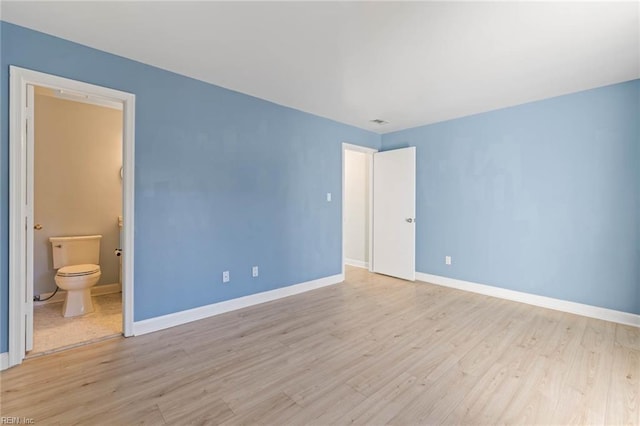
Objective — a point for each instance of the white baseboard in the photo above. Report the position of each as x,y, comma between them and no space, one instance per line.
535,300
4,361
171,320
98,290
356,263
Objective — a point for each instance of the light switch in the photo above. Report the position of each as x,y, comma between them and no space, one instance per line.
328,196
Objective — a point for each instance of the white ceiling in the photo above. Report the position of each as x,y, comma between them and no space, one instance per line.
405,62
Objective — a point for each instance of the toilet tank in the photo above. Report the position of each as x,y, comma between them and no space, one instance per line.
75,250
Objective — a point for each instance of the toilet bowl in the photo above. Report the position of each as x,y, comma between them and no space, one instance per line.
77,280
76,259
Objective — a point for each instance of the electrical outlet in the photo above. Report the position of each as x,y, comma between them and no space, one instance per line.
254,271
225,277
447,260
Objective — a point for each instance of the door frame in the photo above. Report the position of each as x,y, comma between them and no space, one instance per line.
369,152
21,179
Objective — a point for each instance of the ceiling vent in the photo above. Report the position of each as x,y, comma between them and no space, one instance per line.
378,121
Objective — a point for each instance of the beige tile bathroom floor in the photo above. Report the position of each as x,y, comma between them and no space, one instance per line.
53,332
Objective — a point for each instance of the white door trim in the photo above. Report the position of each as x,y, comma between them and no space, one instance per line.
369,152
19,180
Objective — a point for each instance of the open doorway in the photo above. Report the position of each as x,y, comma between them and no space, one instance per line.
29,250
378,210
357,173
77,194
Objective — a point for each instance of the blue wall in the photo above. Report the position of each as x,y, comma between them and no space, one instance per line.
224,181
542,198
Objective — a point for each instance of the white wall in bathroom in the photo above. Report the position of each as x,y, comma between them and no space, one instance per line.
78,190
356,208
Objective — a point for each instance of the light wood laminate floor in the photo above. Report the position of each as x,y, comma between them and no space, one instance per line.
373,350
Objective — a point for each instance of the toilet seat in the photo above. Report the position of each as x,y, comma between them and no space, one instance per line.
78,270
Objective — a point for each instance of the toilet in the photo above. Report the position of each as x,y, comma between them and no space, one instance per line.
76,259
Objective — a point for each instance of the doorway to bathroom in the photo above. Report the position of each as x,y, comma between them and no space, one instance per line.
71,183
77,194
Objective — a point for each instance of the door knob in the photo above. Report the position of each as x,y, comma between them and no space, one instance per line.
37,227
410,220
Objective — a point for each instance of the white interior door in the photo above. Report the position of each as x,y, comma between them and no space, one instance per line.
394,212
29,220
